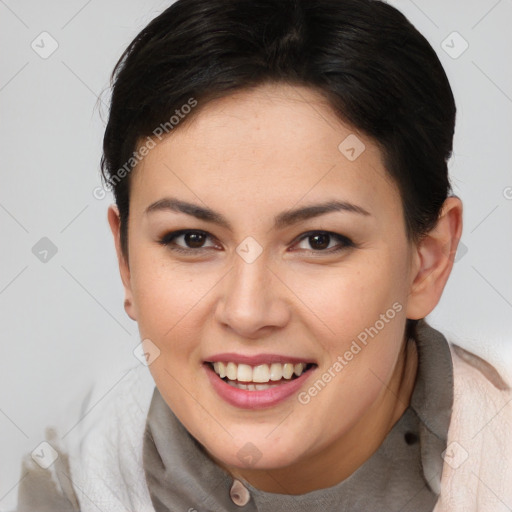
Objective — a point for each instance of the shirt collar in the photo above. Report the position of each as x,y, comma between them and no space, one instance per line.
432,399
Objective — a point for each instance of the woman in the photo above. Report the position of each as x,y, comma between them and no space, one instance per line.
283,225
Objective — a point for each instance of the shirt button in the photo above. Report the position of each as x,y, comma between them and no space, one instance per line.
410,438
239,493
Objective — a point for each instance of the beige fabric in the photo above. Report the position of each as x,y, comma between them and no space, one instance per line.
477,473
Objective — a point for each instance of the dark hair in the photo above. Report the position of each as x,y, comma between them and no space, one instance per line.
377,72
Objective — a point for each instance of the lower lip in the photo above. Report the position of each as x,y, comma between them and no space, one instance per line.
255,399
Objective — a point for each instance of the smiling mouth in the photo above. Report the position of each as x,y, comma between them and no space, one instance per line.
259,377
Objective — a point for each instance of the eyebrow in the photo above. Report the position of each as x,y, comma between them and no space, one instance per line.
286,218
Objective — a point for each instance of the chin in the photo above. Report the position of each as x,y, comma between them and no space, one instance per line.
252,452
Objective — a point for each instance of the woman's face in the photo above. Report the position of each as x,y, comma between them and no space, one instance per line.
291,248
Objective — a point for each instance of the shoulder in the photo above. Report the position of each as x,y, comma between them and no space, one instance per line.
482,396
478,457
83,447
473,366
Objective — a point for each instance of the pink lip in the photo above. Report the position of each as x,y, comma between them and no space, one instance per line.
262,399
256,359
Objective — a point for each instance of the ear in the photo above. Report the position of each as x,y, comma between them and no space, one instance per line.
433,260
124,269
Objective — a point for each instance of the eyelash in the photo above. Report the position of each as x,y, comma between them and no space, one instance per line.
167,239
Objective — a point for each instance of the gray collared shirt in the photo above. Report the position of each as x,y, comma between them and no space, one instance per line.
403,475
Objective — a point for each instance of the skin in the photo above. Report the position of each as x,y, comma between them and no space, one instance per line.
249,157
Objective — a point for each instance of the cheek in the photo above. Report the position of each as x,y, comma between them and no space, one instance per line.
359,319
165,293
346,299
168,298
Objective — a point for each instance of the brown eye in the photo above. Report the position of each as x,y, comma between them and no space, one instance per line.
324,241
186,240
320,241
194,240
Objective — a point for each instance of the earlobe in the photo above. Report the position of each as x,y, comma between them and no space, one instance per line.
124,269
434,258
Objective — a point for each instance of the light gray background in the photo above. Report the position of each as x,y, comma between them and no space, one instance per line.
63,321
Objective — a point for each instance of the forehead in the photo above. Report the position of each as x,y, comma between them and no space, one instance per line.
274,145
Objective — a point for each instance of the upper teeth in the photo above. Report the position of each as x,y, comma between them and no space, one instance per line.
259,373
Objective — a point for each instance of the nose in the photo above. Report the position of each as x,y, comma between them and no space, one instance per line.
253,299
